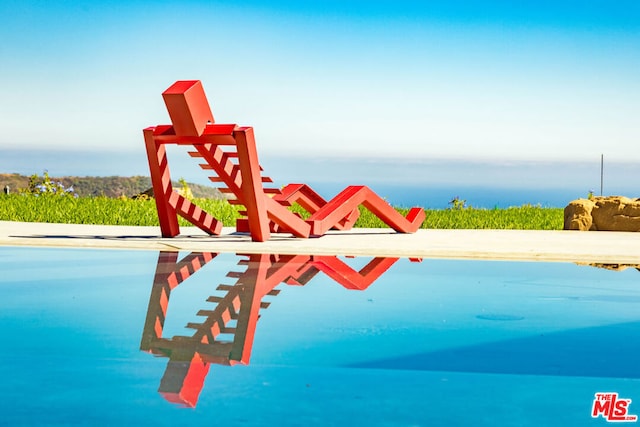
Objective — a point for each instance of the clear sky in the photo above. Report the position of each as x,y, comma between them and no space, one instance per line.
431,79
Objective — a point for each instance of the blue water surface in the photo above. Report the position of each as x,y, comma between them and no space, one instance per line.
440,342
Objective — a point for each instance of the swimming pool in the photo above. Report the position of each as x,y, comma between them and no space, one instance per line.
98,337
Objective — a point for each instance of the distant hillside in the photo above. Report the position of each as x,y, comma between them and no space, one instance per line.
110,186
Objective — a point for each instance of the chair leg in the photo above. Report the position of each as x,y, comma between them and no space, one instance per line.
162,188
260,207
311,201
252,191
353,196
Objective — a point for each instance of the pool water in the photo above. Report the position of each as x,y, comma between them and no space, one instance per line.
104,337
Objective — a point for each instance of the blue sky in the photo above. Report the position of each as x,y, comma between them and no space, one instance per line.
551,80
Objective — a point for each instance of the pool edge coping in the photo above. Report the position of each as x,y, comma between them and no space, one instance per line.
522,245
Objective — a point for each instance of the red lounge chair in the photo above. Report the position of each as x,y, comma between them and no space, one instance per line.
229,151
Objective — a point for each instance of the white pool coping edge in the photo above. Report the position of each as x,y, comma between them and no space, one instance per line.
524,245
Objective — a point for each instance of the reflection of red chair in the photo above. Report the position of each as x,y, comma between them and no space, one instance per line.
229,151
226,334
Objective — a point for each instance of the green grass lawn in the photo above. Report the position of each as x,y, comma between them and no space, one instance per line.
109,211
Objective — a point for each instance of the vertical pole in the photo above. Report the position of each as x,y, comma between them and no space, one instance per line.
601,173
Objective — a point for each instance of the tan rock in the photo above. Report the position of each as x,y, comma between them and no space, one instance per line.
577,215
611,213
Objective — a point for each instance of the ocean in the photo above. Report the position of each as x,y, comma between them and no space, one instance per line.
430,183
439,196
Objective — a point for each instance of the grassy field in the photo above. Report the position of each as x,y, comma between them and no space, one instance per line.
109,211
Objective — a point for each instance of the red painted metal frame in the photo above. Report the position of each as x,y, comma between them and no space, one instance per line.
190,356
230,152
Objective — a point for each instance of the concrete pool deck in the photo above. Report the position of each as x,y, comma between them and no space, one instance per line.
523,245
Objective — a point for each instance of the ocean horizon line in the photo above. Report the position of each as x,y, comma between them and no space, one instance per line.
426,182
